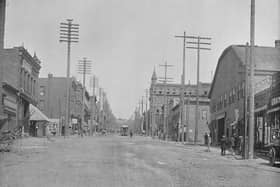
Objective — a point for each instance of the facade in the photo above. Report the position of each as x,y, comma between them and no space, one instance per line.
190,111
172,98
52,99
227,91
19,87
272,126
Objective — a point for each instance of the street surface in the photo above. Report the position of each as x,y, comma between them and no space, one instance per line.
113,160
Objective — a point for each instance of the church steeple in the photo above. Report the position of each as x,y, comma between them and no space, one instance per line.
154,76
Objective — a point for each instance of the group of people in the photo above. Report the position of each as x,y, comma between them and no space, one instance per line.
233,144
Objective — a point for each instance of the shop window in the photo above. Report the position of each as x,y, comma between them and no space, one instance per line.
225,100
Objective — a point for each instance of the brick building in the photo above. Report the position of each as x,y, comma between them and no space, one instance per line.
227,91
19,87
52,99
173,98
190,111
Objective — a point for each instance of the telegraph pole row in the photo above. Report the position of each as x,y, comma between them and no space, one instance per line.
84,67
198,43
69,33
93,111
165,79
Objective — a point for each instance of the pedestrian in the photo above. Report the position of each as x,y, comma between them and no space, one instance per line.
232,144
131,133
223,145
240,144
206,138
208,142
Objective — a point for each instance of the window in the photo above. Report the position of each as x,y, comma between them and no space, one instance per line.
205,92
42,104
233,95
225,100
230,98
204,115
243,89
42,90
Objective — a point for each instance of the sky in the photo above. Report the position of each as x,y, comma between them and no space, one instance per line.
127,39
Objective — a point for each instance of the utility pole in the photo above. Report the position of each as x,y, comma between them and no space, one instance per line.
165,79
182,121
147,113
69,33
93,103
198,46
84,67
101,108
2,22
245,139
252,86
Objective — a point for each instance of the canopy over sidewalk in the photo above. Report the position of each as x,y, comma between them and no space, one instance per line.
37,115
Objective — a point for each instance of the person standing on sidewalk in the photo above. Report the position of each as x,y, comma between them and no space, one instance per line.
223,145
208,142
232,144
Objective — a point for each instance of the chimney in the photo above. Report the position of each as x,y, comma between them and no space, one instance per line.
2,22
50,75
277,42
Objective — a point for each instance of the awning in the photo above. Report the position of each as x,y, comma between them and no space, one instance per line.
220,116
36,114
261,108
3,117
273,110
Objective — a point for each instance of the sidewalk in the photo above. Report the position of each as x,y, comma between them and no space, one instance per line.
215,152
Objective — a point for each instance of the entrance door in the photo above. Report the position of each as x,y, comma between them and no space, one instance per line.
221,128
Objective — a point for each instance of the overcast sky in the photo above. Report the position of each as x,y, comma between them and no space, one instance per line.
126,39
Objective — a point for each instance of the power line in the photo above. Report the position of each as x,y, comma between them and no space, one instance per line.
69,33
182,121
198,43
84,67
165,80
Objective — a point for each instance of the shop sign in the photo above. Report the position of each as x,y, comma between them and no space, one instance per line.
10,102
275,101
74,121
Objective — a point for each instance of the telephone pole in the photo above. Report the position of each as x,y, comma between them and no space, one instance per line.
147,113
165,79
69,33
84,67
252,86
182,121
197,42
245,139
93,109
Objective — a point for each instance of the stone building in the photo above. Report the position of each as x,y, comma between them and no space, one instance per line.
172,98
227,91
19,87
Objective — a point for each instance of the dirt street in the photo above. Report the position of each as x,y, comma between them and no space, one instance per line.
120,161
